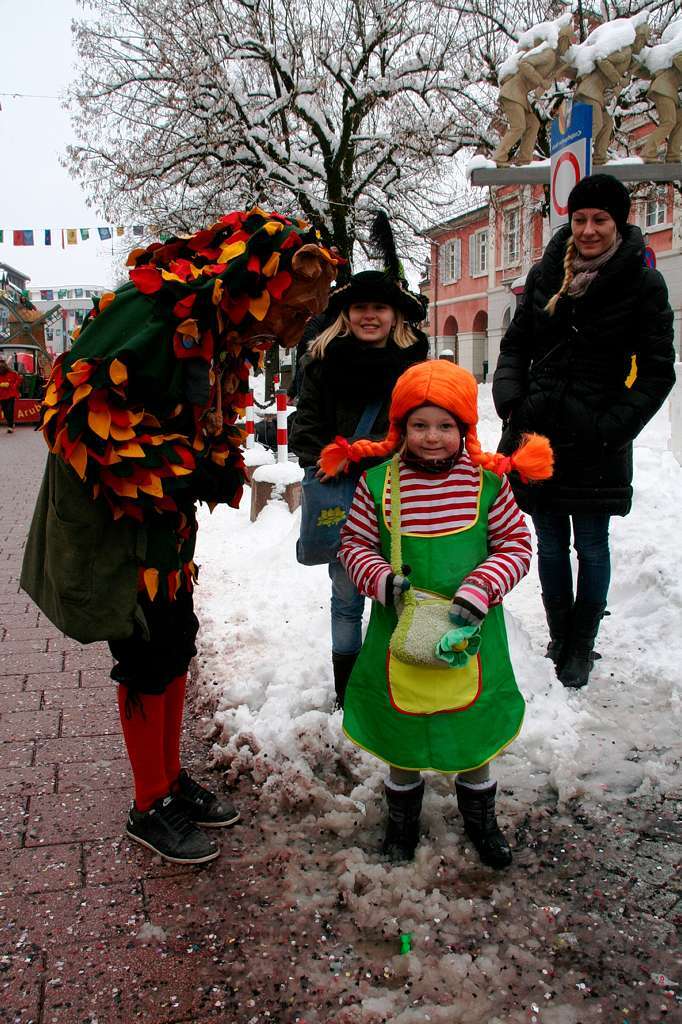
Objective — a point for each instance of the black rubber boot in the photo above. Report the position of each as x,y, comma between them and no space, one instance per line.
477,807
402,827
559,612
343,666
578,654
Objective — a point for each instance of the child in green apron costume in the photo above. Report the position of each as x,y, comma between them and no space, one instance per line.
456,531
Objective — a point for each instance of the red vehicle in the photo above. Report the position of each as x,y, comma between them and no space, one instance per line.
32,363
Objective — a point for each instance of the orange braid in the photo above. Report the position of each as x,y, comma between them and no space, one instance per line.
568,277
532,460
336,456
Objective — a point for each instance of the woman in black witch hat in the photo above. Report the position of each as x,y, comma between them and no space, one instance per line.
349,373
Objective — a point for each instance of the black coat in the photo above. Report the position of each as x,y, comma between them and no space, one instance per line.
337,388
564,376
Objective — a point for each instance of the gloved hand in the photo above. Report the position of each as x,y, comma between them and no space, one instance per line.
393,589
469,605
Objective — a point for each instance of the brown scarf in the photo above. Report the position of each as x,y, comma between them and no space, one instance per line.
586,269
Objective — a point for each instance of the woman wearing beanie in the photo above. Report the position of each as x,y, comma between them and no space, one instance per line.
449,509
587,360
349,372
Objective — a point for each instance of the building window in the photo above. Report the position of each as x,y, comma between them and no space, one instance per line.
512,238
451,261
478,253
656,211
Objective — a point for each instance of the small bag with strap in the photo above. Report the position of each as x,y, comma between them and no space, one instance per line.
423,618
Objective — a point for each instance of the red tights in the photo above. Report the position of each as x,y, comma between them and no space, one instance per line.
151,729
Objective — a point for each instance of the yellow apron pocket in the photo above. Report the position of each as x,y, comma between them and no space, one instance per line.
429,690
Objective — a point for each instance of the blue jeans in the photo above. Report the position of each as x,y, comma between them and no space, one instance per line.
347,607
591,542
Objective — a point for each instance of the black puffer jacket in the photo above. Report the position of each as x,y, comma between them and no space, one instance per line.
564,376
337,388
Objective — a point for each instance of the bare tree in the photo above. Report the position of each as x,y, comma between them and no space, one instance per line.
186,107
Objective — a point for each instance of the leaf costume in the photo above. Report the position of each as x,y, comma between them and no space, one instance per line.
144,407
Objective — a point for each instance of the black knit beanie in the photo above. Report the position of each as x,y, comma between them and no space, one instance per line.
601,192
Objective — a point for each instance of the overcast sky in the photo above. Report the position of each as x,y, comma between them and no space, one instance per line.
35,190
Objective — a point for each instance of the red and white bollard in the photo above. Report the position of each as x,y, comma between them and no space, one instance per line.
248,417
282,429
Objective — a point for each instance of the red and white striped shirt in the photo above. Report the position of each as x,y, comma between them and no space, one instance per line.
433,505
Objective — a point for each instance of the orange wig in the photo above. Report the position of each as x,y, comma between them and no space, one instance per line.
450,387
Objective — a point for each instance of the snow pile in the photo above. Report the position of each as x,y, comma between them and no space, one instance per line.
602,41
479,161
279,473
266,667
258,455
543,36
657,58
544,32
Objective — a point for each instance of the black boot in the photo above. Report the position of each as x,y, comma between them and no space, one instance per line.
578,655
477,807
343,666
402,827
559,612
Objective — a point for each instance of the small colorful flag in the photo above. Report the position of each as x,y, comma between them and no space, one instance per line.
47,294
104,233
120,231
23,237
85,234
71,236
48,236
164,236
138,230
61,294
78,293
2,235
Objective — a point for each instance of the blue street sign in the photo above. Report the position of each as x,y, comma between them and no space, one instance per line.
571,157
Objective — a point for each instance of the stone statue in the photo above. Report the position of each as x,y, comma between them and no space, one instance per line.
603,66
526,72
663,65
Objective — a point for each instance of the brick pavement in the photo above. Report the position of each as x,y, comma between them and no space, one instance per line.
74,894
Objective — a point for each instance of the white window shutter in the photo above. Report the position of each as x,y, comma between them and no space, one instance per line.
472,254
458,258
442,263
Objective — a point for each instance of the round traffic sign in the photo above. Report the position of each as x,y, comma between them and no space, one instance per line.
566,175
649,257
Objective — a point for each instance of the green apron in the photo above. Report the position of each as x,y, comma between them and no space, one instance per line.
443,719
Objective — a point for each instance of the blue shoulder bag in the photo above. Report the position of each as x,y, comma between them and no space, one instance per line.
324,507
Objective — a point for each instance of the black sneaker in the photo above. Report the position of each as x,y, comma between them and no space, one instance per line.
166,829
202,806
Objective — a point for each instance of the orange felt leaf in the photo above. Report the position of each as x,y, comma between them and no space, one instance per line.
106,300
189,328
131,451
179,470
217,291
273,226
153,487
79,459
48,416
259,307
118,371
81,392
272,266
151,582
229,252
99,423
51,395
119,485
122,433
133,257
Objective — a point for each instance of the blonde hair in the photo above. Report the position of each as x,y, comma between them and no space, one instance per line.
568,277
403,335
